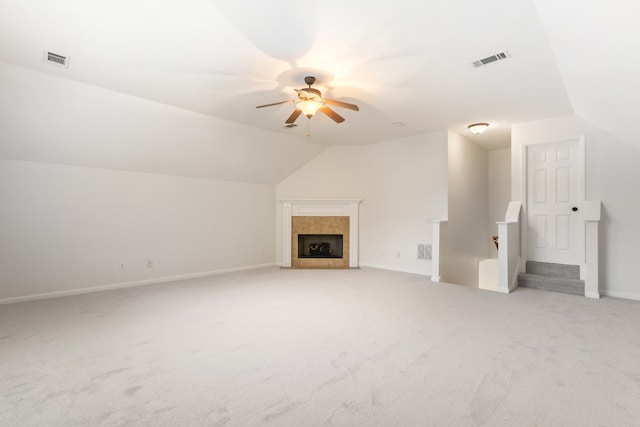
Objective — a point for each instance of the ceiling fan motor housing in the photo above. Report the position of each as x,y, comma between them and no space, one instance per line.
310,93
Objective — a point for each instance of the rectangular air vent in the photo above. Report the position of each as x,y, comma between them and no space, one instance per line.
424,252
493,58
56,59
290,125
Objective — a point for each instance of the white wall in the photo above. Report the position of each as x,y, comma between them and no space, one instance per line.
612,176
64,228
468,226
499,191
54,120
403,184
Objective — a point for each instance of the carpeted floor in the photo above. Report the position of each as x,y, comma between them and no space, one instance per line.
319,347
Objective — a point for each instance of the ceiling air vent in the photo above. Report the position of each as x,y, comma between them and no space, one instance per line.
489,59
56,59
290,125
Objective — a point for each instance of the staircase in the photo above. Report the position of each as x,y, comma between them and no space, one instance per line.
552,277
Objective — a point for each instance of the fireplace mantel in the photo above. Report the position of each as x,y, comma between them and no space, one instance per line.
320,207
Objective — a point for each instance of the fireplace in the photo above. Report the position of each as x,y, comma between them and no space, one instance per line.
320,242
333,225
320,245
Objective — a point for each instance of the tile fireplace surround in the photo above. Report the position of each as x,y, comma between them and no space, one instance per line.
323,221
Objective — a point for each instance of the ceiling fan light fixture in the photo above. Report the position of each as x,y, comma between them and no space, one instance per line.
478,128
309,107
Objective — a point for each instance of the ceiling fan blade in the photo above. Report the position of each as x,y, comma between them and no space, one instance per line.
276,103
332,114
341,104
294,116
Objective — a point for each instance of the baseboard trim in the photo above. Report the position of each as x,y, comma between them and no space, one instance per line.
154,281
623,295
394,268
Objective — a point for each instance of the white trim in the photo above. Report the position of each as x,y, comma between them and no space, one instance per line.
145,282
623,295
321,201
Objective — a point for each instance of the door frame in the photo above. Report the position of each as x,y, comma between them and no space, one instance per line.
524,167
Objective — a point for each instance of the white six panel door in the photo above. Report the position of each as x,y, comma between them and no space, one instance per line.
553,197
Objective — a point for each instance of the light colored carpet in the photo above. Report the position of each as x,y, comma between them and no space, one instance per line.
319,347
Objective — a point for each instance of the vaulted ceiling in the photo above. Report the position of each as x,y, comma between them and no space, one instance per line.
407,64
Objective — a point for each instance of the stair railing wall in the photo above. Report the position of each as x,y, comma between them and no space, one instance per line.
509,257
591,210
439,229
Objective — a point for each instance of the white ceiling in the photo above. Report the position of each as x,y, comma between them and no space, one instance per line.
404,61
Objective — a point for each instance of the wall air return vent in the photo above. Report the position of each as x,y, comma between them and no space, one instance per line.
424,252
56,59
489,59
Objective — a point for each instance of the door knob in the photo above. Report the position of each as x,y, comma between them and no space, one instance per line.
574,209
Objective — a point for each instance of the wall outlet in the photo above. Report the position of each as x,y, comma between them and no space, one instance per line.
121,266
398,254
149,263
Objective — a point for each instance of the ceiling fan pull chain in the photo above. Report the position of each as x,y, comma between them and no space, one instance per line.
309,127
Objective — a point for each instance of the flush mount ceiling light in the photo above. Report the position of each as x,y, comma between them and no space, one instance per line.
478,128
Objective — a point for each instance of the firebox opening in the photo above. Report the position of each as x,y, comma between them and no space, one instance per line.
320,245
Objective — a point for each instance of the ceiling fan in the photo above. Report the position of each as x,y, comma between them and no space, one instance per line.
310,101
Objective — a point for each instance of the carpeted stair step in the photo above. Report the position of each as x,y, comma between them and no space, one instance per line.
555,270
550,283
